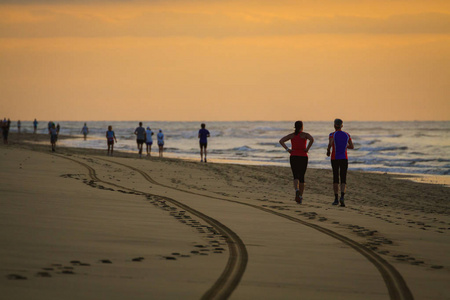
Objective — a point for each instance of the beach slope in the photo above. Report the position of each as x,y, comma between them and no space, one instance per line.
79,224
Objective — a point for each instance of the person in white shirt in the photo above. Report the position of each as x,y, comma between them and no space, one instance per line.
149,141
160,142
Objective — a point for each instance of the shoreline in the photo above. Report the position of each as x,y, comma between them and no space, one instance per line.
42,140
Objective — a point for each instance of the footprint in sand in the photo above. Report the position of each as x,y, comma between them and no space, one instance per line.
43,274
79,263
106,261
15,277
139,259
437,267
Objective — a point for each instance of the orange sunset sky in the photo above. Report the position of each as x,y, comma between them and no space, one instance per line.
225,60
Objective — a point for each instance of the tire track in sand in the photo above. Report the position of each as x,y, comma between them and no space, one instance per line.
238,256
396,285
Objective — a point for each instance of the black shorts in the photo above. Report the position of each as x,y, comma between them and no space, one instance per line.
299,164
140,142
53,138
203,145
340,167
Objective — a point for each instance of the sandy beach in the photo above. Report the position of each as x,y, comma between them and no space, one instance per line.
77,224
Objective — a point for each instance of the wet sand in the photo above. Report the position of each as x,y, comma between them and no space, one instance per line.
80,224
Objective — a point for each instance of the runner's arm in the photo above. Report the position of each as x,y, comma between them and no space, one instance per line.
283,140
350,144
311,141
330,144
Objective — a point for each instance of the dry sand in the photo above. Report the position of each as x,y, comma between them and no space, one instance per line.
82,225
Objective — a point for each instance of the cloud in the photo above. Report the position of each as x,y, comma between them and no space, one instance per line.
50,23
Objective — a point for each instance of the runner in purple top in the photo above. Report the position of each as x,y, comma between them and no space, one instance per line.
340,141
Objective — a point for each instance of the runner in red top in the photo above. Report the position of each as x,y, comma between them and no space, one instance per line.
299,157
340,141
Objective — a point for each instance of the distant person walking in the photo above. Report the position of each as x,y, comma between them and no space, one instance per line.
160,137
149,141
140,137
53,136
85,131
18,126
110,138
58,128
339,141
203,135
299,157
49,125
5,130
35,124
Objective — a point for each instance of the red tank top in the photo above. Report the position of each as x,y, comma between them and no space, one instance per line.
298,146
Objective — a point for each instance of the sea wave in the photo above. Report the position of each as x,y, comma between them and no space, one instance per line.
380,149
384,146
243,148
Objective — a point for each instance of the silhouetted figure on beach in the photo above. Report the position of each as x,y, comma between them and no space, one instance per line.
35,124
58,128
5,130
340,141
149,140
53,136
299,157
203,135
19,124
110,138
49,125
160,137
85,131
140,137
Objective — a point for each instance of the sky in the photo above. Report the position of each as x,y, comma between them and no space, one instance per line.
225,60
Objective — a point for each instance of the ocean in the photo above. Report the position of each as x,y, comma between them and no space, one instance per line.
393,147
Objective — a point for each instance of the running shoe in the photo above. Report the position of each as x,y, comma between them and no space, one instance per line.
298,198
342,202
336,202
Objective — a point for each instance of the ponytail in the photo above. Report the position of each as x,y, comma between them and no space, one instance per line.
298,127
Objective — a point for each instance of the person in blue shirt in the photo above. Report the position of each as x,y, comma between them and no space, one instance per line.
53,136
85,131
35,124
203,135
110,137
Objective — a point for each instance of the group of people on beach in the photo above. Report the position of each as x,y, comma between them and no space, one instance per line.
146,136
301,142
338,143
